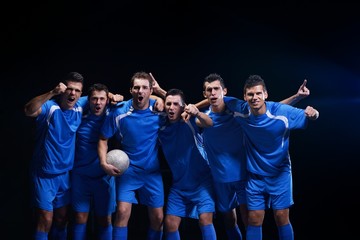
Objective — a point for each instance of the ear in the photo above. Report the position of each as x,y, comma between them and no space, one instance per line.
265,95
225,91
204,94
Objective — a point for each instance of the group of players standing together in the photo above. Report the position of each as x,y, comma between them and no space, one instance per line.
232,155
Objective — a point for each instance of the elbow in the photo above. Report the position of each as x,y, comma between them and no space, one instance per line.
27,112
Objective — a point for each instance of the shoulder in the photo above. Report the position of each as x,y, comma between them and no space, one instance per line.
281,108
82,101
234,104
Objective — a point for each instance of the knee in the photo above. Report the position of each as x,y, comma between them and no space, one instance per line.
205,219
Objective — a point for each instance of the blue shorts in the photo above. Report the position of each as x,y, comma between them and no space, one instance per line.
265,192
147,187
50,191
230,195
191,203
97,192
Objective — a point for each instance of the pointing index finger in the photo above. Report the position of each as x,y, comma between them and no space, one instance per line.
304,84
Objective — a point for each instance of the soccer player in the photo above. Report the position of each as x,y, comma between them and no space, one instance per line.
267,127
91,186
135,125
191,193
58,115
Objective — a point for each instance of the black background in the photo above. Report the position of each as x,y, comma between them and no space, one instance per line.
181,42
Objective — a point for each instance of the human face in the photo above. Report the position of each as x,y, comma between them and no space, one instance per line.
174,107
98,101
255,97
214,93
141,92
71,95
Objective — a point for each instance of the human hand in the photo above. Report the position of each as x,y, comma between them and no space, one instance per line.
185,116
303,91
311,113
191,109
115,98
60,88
159,104
155,84
110,169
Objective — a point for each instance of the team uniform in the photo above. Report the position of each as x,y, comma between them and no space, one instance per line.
141,145
191,193
91,186
224,147
54,152
268,159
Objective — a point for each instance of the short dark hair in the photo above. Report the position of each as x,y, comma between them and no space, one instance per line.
97,87
74,77
214,77
175,92
141,75
254,80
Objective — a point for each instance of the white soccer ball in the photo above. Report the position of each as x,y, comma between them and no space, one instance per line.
118,159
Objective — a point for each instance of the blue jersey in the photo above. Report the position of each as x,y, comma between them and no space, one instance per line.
182,145
224,146
55,137
137,131
267,135
86,156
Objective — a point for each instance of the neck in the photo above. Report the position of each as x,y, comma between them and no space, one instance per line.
218,108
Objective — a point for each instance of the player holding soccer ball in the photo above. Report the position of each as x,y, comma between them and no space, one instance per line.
135,124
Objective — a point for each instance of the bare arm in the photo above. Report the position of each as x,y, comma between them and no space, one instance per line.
302,93
157,89
202,104
159,104
33,107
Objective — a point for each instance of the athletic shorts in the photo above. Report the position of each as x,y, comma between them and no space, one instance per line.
191,203
265,192
50,191
140,187
230,195
96,192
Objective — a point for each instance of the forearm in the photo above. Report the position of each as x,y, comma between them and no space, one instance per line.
202,104
32,108
102,150
292,100
205,120
160,92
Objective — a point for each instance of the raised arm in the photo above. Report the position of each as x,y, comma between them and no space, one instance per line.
157,89
33,107
302,93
